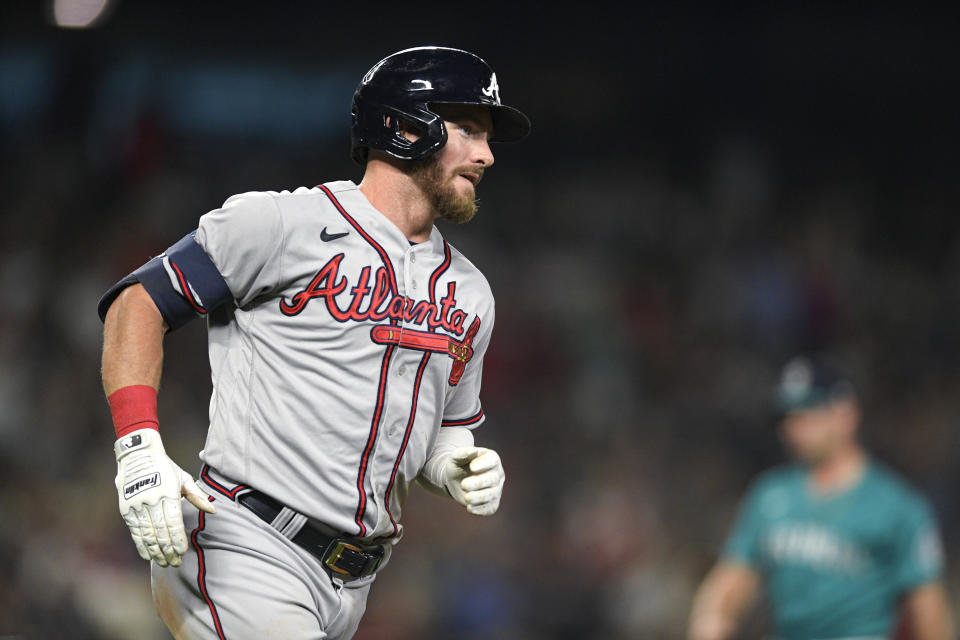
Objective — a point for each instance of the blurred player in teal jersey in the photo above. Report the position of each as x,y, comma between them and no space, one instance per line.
842,545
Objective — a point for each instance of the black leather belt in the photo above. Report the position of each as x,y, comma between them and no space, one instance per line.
342,556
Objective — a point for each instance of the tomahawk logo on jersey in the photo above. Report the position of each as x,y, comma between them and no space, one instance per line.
337,348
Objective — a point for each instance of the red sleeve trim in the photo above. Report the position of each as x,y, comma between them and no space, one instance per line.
463,422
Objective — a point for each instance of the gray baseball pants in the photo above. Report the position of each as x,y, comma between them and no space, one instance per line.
241,579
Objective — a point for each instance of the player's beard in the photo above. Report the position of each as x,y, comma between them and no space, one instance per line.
440,191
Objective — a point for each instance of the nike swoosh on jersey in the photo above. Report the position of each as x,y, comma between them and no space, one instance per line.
327,237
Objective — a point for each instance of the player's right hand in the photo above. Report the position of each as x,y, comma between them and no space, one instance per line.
149,486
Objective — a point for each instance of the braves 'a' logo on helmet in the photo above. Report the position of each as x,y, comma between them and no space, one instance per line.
493,91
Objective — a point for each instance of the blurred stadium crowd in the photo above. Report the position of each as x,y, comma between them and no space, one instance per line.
647,292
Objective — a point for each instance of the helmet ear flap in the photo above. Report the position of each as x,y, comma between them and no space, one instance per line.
398,125
386,131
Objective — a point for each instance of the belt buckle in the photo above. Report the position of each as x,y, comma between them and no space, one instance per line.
336,551
332,557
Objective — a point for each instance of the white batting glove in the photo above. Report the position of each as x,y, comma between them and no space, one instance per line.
474,477
149,485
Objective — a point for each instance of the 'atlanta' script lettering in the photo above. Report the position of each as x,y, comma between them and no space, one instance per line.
376,303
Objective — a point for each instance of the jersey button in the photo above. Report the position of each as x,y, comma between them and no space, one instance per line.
413,285
402,370
413,257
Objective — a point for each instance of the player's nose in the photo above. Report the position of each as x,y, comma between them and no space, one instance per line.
482,154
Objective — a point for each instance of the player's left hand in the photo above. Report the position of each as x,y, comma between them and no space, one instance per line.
474,478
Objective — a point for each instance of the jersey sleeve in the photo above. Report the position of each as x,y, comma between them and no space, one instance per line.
462,407
918,557
233,255
182,281
244,239
743,543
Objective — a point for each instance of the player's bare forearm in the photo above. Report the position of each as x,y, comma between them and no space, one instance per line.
720,602
132,341
928,613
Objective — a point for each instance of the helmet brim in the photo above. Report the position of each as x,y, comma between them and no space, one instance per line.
509,124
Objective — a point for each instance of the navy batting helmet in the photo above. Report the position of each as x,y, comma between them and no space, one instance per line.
405,85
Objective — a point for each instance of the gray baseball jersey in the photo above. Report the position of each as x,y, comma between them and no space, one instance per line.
337,349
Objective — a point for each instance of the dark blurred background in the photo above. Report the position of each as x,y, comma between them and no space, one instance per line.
707,191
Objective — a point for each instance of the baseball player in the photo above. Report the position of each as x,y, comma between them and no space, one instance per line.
842,545
346,341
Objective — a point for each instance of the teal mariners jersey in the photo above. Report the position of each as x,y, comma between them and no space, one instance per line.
835,566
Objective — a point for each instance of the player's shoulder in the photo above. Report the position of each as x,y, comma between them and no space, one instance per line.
261,200
778,475
776,479
249,200
886,481
466,268
306,204
772,492
459,260
337,187
321,191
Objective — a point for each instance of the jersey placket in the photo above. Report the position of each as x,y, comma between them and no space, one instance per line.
369,467
406,372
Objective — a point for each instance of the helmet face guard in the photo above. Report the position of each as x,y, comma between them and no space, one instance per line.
405,86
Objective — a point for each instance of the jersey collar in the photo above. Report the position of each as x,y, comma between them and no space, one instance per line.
358,205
